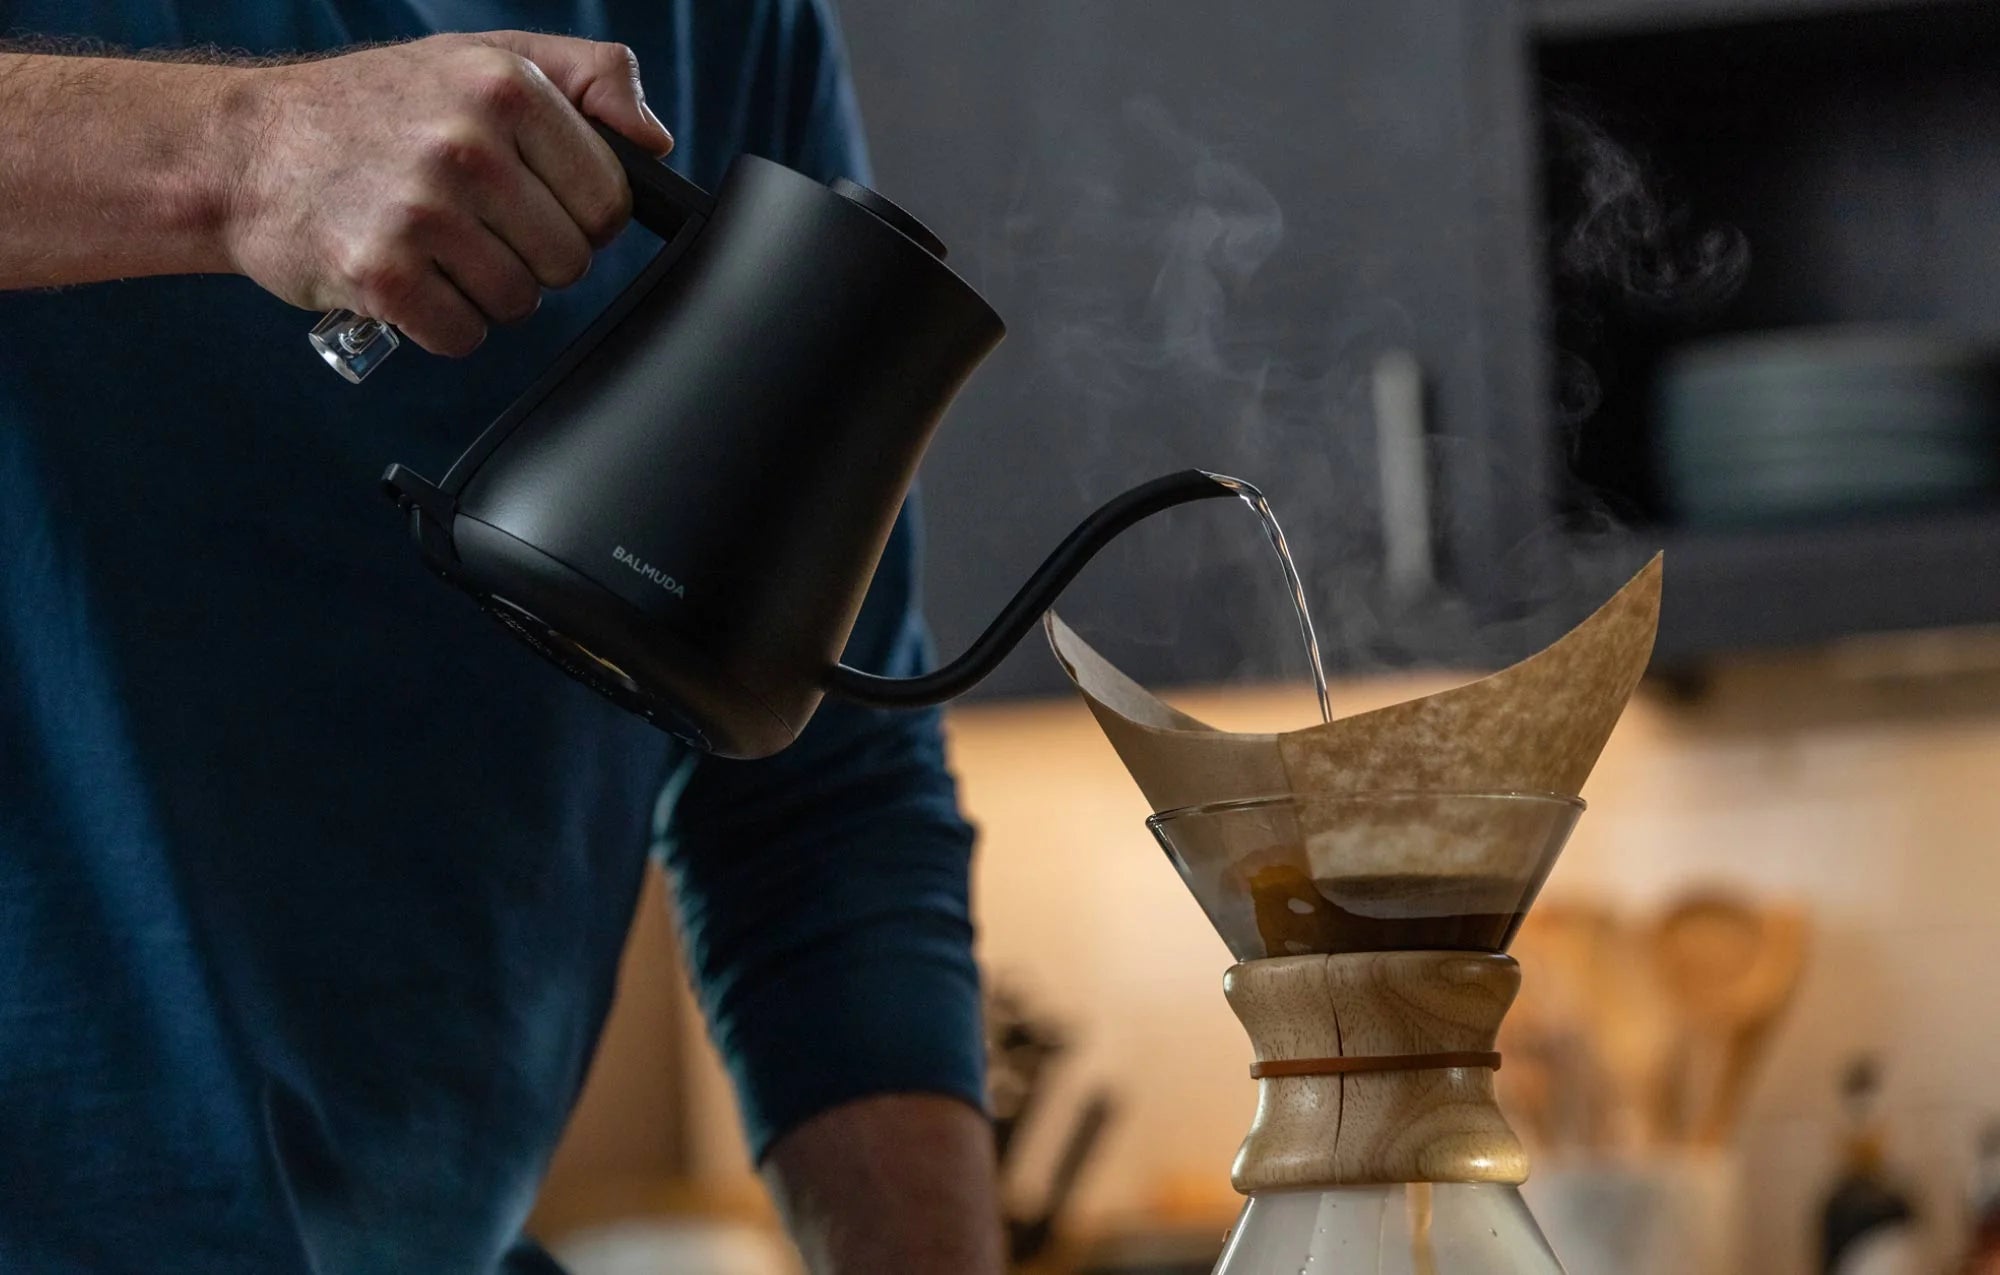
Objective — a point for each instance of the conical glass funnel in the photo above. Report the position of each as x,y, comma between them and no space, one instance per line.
1367,872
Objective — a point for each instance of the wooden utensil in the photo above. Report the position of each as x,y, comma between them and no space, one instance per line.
1728,967
1552,1038
1029,1238
1634,1030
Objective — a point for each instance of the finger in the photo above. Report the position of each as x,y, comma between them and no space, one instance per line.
559,147
436,315
529,219
598,78
491,275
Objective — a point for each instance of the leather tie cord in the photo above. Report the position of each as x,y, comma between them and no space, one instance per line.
1371,1062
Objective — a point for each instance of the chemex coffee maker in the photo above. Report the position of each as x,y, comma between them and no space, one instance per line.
1368,874
686,510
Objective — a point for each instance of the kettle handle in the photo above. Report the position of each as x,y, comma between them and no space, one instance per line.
1033,598
663,201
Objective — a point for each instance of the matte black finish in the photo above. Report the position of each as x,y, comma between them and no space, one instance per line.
686,512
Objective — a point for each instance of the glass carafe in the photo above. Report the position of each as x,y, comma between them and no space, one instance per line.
1446,1228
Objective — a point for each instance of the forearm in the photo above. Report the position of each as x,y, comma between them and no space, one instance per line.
111,167
900,1183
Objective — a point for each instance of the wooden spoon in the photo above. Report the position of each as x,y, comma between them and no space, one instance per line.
1551,1081
1729,967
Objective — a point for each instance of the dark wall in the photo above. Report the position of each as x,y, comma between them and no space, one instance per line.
1202,222
1856,155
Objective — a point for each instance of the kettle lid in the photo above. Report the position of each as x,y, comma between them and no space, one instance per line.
889,211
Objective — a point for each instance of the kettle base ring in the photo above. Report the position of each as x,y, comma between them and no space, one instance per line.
517,617
588,667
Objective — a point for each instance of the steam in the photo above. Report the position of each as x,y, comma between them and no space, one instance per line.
1144,285
1203,240
1149,289
1211,249
1622,254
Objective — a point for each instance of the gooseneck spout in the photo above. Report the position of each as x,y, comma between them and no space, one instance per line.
1034,597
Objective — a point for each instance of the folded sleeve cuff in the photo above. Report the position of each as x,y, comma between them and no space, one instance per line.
891,1008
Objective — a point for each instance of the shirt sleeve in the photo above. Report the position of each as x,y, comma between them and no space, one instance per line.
824,895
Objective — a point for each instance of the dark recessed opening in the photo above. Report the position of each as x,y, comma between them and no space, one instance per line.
1859,155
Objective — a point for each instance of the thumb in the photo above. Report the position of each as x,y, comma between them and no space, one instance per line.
600,79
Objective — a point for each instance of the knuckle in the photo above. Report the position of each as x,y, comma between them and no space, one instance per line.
606,213
502,85
519,304
462,152
418,220
619,59
453,341
569,267
386,282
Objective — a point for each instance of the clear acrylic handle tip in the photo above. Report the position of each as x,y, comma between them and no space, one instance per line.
352,344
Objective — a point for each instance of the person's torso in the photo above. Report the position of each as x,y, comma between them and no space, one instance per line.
311,887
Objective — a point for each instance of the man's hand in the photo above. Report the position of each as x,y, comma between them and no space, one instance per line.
901,1184
438,185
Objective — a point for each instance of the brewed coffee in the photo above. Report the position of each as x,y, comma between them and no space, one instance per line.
1368,872
1388,913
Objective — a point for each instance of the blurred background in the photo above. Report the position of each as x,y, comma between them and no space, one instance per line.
1495,298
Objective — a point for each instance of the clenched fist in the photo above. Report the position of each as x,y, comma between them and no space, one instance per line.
438,185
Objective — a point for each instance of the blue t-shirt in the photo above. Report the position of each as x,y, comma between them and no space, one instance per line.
312,884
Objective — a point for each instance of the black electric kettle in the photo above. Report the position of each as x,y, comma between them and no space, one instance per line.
686,511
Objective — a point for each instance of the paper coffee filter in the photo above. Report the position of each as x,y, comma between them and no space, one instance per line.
1295,875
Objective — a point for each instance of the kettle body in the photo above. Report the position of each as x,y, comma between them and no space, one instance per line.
686,511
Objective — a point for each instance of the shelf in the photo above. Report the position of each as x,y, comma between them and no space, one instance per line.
1586,19
1770,589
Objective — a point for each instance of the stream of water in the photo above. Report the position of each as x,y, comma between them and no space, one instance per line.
1276,535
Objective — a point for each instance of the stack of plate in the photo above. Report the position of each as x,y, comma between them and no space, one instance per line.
1817,424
